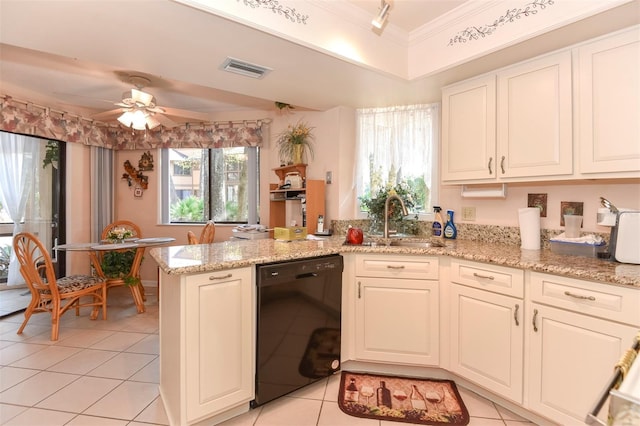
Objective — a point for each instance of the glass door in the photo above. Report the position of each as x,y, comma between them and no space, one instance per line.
44,214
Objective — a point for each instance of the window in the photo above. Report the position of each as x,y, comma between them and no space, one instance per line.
219,184
398,145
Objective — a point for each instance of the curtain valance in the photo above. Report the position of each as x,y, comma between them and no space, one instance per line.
28,119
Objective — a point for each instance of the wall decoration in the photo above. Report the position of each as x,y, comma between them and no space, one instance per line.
510,16
274,5
146,162
570,207
137,192
540,201
132,175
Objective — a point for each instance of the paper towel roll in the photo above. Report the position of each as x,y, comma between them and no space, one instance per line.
529,219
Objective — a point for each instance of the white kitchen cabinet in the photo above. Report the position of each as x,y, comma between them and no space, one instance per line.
207,328
608,105
486,326
534,118
469,130
396,309
578,331
510,126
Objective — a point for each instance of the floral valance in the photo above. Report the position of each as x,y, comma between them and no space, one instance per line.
28,119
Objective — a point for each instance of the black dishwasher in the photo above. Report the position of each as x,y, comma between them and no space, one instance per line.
298,328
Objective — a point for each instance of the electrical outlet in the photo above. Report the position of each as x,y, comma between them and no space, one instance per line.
469,213
328,178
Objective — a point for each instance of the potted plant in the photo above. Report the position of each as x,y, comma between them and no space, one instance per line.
294,142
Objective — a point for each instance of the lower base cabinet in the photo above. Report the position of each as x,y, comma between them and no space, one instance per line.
575,344
397,320
207,329
487,336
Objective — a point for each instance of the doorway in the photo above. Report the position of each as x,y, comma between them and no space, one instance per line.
44,216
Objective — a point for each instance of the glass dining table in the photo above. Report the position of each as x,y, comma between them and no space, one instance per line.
98,252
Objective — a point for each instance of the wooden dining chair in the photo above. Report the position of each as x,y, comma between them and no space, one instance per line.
51,294
208,232
109,257
206,235
191,238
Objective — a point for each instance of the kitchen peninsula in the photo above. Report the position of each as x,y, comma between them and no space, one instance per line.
208,300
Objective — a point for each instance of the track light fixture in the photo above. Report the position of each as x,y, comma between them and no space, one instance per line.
382,15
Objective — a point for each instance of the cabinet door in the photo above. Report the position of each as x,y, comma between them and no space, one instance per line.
220,318
487,340
534,133
571,359
397,320
469,130
609,104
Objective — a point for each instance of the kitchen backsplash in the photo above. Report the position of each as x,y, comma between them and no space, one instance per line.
486,233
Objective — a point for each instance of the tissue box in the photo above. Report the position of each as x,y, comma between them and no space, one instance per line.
577,249
290,233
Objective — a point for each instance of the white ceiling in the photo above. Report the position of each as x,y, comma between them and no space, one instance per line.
77,57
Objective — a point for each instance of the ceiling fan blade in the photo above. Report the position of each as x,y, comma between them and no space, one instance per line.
138,97
164,120
188,115
108,115
155,109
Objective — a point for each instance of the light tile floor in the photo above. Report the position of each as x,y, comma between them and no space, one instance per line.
105,373
13,300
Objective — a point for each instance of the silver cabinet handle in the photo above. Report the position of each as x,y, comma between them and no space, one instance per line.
502,164
535,317
515,315
359,290
489,165
224,277
486,277
579,296
395,267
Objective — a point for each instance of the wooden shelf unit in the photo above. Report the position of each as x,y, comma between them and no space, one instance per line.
313,193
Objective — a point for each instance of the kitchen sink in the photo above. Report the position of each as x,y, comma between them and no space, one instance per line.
416,243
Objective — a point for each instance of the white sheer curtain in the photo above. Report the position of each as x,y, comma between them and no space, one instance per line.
19,158
397,143
101,190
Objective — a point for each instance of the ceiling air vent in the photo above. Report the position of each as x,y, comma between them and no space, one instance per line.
244,68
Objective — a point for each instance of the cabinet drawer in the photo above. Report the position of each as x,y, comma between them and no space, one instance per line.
600,300
391,266
494,278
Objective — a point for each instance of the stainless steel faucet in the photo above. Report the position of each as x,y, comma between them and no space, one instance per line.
386,212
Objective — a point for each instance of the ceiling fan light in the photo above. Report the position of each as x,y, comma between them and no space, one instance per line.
138,120
152,123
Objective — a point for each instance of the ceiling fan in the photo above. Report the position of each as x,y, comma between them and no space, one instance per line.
139,109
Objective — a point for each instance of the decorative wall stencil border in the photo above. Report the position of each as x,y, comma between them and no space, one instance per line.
274,5
511,15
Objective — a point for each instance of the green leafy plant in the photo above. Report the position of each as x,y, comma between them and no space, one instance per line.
52,151
117,264
295,141
5,257
374,206
191,209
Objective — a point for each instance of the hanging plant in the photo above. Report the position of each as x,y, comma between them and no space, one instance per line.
52,151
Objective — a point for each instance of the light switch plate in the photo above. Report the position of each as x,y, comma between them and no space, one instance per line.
328,177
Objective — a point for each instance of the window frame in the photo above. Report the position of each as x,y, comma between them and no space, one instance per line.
253,191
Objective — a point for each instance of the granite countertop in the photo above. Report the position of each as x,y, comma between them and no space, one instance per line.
177,260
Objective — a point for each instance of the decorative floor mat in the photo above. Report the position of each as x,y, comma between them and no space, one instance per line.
402,399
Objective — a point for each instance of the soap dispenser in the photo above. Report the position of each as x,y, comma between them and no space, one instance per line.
450,230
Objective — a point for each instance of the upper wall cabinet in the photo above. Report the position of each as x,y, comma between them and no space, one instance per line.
514,125
534,118
469,130
608,105
549,118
